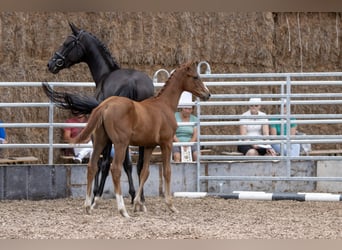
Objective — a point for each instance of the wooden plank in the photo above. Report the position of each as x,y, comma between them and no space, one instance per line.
326,152
22,159
232,153
206,151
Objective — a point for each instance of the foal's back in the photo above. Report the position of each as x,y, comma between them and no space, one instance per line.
149,122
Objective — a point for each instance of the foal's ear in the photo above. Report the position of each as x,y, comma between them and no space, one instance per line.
188,65
74,29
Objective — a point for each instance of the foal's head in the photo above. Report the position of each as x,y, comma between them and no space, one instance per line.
193,83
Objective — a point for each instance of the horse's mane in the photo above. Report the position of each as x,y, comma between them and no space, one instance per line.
181,67
112,60
166,83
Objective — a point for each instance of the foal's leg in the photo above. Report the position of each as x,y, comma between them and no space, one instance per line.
145,171
127,164
91,170
166,154
104,165
116,175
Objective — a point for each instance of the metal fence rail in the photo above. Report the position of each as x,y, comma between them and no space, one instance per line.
285,83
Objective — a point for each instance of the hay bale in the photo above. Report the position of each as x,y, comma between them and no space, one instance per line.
230,42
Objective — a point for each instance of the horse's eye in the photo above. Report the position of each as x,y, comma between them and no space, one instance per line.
196,77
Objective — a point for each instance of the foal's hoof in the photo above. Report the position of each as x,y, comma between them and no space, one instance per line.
87,209
173,209
124,213
95,203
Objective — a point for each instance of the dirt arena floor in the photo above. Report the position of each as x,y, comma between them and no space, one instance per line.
201,218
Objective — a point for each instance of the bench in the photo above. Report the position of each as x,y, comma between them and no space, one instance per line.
18,160
231,153
205,151
67,157
156,154
331,152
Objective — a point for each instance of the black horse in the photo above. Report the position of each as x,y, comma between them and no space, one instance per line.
110,80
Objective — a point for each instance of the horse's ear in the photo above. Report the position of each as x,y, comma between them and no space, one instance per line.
74,29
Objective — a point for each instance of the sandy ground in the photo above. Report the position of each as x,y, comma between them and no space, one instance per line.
202,218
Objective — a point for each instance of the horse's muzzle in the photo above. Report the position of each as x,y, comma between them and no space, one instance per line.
53,67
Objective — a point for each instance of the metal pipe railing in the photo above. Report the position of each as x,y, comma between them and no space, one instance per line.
284,81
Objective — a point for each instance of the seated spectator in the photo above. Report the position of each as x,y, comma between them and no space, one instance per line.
185,133
70,132
3,134
3,137
254,130
276,129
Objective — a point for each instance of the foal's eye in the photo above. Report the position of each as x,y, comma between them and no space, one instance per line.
196,77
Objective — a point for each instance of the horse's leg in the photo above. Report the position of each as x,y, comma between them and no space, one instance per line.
145,171
128,169
96,185
139,168
115,170
166,154
104,166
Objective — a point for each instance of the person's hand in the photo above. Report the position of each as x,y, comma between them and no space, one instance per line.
271,152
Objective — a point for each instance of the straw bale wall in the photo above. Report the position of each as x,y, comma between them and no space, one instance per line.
230,42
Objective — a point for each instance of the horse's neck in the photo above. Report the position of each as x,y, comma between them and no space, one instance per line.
98,63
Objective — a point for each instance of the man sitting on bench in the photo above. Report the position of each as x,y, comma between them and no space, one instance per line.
80,154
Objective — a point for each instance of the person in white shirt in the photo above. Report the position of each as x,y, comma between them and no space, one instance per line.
254,130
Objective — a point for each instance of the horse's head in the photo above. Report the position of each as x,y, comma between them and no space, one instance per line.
70,53
193,82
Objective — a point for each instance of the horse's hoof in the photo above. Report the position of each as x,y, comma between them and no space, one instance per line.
139,207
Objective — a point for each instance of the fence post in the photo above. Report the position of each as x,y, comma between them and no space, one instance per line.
51,113
198,161
288,125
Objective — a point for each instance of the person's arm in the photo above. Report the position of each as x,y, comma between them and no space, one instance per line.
293,130
175,138
265,129
273,131
243,129
67,135
194,135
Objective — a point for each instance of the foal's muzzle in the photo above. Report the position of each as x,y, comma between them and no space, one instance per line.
205,97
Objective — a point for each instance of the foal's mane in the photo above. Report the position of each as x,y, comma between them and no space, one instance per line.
112,61
180,68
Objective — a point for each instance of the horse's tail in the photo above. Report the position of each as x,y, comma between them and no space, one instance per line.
94,121
77,104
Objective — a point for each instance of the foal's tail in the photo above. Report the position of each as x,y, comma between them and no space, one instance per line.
77,104
94,121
